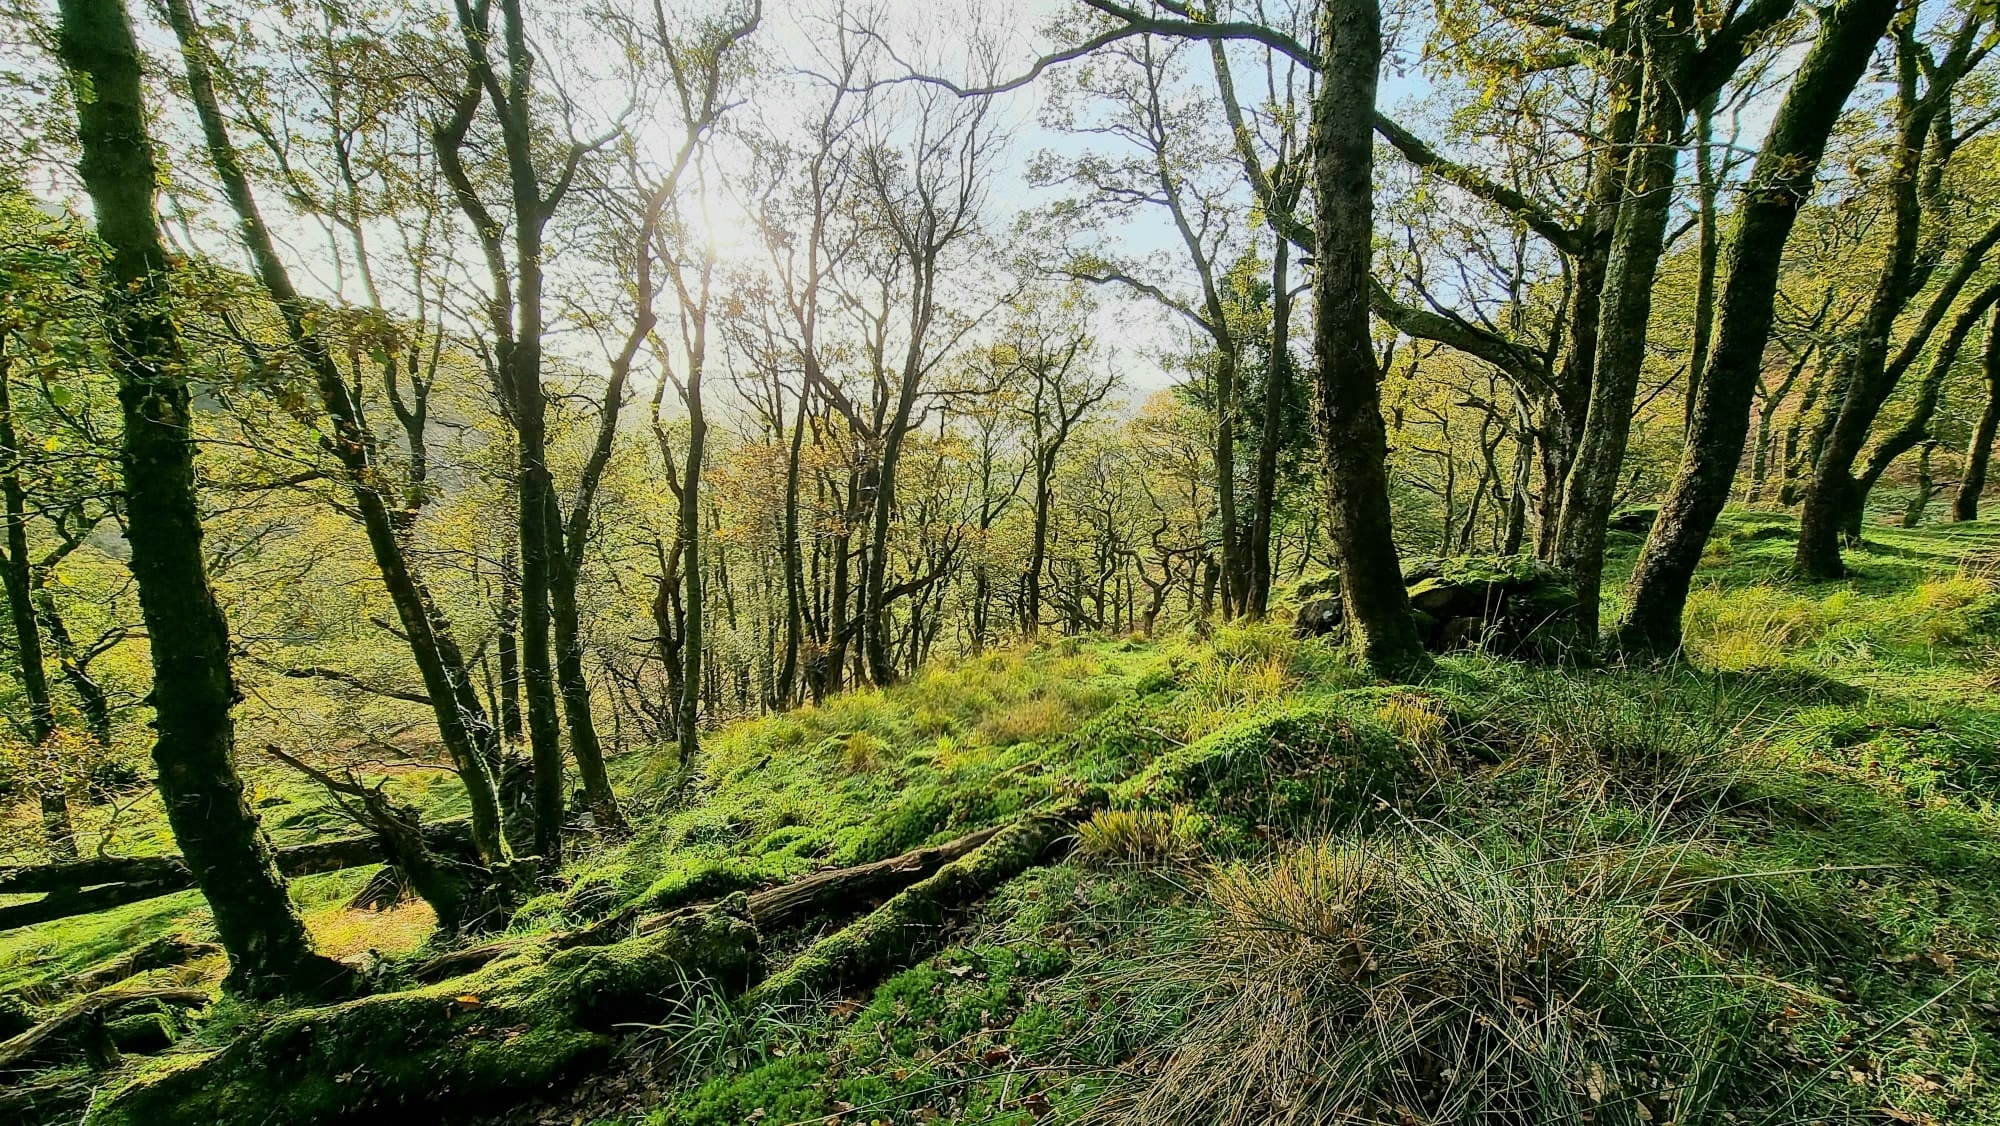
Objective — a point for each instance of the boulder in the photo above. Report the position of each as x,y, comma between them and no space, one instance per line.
1320,617
1514,606
1636,521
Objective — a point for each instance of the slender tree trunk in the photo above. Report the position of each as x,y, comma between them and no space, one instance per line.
1640,235
1354,446
507,621
1965,503
1913,513
1038,548
1277,392
687,720
17,568
795,594
462,723
1706,256
1779,186
1231,545
217,831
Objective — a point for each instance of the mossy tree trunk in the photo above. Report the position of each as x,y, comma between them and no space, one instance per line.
1779,186
1354,445
218,832
1965,503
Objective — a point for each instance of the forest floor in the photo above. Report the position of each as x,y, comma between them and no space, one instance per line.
1760,887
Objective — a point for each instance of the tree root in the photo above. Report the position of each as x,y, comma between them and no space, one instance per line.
836,893
158,954
913,923
78,1026
538,1011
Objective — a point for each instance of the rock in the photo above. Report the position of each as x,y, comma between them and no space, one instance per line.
1510,605
1319,618
1636,521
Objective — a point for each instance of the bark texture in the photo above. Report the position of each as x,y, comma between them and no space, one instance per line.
227,853
1779,185
1354,446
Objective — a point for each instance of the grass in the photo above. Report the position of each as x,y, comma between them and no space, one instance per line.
1761,886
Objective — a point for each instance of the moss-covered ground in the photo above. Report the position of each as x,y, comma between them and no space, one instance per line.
1761,886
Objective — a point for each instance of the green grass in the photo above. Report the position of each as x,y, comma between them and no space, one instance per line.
1759,886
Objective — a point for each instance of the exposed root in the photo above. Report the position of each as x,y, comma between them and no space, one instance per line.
913,923
79,1026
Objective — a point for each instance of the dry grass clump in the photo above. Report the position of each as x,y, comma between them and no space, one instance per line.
1438,979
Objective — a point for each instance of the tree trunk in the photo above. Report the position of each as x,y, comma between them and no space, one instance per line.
1277,393
17,569
687,729
786,693
1779,186
218,832
1353,443
1965,503
1591,490
1916,429
507,621
1708,252
462,722
1913,513
1832,505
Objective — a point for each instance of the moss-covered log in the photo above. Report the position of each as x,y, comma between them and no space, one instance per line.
837,893
914,922
511,1029
540,1011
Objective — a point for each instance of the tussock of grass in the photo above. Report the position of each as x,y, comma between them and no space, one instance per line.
1434,978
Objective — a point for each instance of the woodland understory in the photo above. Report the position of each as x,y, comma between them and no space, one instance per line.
1317,561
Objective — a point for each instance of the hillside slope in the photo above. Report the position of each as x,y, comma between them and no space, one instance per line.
1236,882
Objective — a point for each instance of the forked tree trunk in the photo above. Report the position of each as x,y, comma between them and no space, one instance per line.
218,832
1779,186
1591,490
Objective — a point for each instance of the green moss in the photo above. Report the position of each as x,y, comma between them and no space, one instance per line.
1319,762
511,1027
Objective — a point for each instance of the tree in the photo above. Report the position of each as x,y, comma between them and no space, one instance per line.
462,723
1046,354
1965,502
1925,139
1779,186
218,832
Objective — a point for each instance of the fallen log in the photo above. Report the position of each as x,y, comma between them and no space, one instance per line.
835,893
912,923
536,1015
75,1020
81,887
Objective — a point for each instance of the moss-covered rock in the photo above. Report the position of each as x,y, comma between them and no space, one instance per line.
1322,762
512,1027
